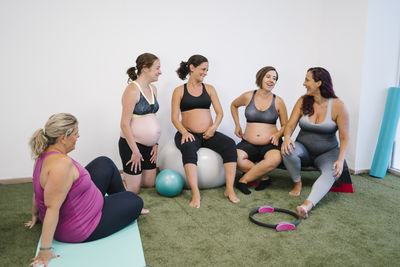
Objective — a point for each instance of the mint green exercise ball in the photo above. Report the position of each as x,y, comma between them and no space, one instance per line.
169,183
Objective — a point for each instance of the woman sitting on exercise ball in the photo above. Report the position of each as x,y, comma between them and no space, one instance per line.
319,114
197,129
259,150
69,199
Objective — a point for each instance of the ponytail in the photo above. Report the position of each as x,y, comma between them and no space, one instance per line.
38,143
183,70
132,74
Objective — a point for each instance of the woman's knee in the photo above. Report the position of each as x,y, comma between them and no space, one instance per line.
290,158
134,202
189,153
241,156
229,152
104,161
272,160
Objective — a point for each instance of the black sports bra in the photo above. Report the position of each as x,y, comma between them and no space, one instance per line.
189,102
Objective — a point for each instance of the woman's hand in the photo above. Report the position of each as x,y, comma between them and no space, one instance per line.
287,145
338,167
274,139
238,132
43,257
136,160
209,133
35,219
153,153
187,137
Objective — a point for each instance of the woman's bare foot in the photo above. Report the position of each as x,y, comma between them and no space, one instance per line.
304,208
302,211
296,189
195,203
232,196
145,211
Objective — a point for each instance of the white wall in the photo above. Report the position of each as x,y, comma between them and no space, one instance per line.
380,71
71,56
342,50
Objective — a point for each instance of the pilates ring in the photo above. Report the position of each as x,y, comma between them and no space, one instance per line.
282,226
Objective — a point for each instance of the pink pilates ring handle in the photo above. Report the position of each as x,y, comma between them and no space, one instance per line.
284,226
264,209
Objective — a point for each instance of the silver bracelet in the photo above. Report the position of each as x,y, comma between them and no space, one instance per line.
46,248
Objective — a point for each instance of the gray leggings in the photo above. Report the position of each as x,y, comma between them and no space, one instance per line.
301,157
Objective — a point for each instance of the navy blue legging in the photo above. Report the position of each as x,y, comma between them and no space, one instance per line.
120,207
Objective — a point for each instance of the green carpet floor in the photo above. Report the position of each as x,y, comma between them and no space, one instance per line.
360,229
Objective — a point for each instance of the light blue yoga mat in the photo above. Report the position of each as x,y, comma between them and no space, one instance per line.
122,249
386,136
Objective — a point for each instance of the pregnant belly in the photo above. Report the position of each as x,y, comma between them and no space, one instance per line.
259,133
146,129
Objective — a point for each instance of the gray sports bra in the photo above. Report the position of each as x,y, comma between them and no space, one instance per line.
328,126
269,115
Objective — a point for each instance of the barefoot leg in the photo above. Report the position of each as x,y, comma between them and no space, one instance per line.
304,208
230,172
191,174
296,189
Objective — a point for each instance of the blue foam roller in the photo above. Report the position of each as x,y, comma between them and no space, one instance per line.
386,136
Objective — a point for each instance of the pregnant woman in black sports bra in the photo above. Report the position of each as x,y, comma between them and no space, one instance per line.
197,128
259,150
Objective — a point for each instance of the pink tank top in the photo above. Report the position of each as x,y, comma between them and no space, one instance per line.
81,211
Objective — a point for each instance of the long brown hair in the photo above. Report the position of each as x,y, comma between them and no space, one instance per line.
326,89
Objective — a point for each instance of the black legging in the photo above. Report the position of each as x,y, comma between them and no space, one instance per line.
220,143
120,207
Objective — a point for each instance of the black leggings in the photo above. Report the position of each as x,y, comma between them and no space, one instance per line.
120,207
220,143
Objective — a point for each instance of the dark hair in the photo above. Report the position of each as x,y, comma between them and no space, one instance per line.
326,89
194,60
261,74
144,60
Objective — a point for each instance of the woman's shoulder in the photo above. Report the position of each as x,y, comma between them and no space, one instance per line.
209,87
58,165
337,101
247,95
338,106
59,160
300,100
179,89
279,99
131,90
